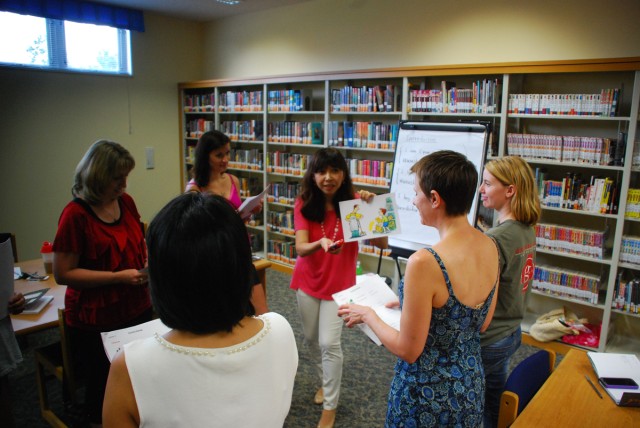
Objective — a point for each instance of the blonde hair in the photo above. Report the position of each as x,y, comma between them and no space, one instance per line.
98,167
514,171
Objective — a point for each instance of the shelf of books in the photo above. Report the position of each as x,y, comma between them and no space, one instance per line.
576,123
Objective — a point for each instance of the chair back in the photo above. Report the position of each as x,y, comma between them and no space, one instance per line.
523,383
67,358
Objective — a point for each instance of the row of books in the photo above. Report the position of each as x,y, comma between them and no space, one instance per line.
626,294
199,102
604,103
595,194
281,222
246,159
571,240
292,132
243,130
570,149
282,251
632,209
287,163
231,101
365,135
283,193
483,97
566,283
288,100
196,127
630,249
381,98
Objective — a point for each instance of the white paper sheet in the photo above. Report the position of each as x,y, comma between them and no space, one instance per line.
371,290
250,203
114,341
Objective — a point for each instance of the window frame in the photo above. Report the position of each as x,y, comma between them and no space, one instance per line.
57,51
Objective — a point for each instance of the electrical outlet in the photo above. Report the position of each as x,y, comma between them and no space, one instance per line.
148,151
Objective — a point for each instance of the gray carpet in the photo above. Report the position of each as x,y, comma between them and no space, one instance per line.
367,373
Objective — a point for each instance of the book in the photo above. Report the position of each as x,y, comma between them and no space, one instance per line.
114,341
371,290
617,366
38,305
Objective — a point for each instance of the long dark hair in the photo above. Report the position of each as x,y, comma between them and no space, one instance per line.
313,200
208,142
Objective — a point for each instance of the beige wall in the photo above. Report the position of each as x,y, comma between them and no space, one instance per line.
338,35
48,120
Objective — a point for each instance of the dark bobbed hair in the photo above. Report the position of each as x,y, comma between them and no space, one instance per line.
452,175
208,142
99,166
313,200
199,264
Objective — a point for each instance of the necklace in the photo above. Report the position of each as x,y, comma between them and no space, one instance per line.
335,229
202,352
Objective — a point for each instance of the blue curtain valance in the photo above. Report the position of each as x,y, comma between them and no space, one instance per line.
78,11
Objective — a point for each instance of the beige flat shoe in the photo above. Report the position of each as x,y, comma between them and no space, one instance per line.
319,397
328,419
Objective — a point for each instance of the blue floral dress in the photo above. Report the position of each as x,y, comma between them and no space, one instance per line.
445,386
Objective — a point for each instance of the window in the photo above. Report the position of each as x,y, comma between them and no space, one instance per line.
63,45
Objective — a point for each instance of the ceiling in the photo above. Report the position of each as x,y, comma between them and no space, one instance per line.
200,10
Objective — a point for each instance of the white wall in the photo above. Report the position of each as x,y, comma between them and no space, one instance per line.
49,119
339,35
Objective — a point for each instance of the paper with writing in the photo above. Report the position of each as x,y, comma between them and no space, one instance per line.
114,341
372,291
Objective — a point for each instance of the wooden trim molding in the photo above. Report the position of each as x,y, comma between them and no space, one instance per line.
565,66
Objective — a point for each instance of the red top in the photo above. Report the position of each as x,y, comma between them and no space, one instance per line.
321,274
105,247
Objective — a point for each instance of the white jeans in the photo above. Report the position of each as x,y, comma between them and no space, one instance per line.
322,328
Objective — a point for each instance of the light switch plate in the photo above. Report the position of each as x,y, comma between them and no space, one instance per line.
148,151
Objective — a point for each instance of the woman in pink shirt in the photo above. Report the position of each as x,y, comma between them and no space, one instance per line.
323,268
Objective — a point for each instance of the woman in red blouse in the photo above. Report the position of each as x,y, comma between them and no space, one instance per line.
99,251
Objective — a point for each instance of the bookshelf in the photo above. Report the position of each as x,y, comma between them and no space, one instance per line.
277,122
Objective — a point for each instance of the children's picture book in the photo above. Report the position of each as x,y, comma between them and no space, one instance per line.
368,220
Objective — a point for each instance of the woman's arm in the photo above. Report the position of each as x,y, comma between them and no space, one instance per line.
120,408
67,272
492,309
409,342
305,248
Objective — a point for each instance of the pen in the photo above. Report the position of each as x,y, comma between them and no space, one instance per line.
593,386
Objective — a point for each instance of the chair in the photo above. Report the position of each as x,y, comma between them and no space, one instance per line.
523,383
4,237
56,359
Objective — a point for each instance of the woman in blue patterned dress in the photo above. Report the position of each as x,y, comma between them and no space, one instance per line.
446,299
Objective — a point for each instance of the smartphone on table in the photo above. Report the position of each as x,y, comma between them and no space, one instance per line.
618,383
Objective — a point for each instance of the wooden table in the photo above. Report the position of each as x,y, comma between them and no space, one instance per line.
48,317
567,400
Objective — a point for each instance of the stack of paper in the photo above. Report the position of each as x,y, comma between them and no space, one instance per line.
373,291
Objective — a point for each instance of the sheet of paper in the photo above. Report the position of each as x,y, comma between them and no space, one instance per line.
367,220
607,364
371,290
250,203
114,341
37,306
6,276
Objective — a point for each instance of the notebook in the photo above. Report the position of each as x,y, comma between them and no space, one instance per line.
618,365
